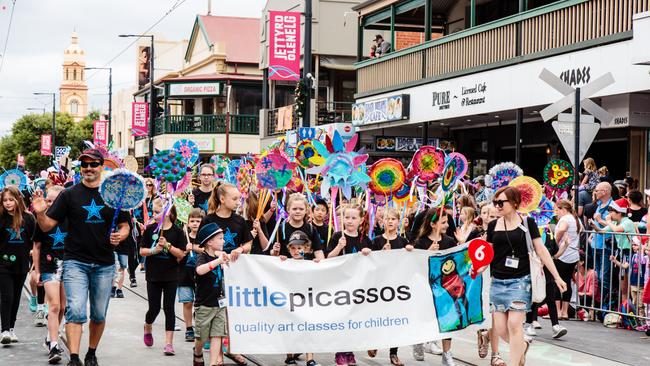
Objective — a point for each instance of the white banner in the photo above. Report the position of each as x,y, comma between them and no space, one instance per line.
351,303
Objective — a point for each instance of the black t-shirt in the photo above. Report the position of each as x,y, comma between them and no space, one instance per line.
52,245
127,246
187,267
379,241
89,222
235,231
637,215
14,246
445,242
163,267
284,233
353,244
257,246
501,243
322,233
209,287
201,199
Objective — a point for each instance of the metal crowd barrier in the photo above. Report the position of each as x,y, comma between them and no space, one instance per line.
613,282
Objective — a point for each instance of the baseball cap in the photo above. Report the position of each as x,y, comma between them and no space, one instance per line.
92,154
298,238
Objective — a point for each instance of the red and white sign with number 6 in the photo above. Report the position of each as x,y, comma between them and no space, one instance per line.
480,253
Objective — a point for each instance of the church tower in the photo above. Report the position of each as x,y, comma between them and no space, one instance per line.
74,90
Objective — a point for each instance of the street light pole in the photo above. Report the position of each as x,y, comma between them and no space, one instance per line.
53,115
152,90
110,98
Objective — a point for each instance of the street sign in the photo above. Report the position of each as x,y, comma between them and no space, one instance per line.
565,128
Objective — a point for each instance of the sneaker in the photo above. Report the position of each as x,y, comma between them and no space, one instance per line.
90,360
448,359
55,355
12,334
113,291
529,330
483,342
169,350
134,283
189,335
340,359
558,331
148,339
536,325
418,352
33,304
39,319
5,338
642,328
433,348
177,328
290,360
46,344
312,363
75,363
351,360
119,294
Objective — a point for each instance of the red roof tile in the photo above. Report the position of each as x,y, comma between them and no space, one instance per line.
241,36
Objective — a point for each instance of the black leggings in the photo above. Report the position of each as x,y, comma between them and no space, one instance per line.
550,303
566,273
11,285
166,290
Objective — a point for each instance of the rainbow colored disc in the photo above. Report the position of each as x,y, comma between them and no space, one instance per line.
387,176
531,193
428,163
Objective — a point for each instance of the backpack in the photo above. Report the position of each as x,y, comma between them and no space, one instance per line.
628,321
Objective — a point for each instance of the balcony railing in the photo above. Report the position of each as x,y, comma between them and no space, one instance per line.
333,112
541,30
272,120
207,123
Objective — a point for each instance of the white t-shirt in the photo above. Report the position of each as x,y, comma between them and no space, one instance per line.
572,252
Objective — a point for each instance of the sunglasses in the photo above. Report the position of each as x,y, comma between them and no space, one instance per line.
93,164
149,185
499,203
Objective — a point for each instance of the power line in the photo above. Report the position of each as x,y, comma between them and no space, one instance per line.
176,5
4,50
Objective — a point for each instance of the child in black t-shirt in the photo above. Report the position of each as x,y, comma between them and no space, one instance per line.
351,239
186,271
298,245
210,318
297,207
318,217
257,227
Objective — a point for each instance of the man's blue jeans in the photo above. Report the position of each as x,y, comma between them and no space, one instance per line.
83,282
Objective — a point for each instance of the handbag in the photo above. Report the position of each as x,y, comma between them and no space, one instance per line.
537,276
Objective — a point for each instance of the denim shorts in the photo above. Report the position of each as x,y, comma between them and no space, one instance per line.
121,261
84,282
185,294
510,295
47,277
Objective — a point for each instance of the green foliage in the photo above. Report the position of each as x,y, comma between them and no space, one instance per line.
25,138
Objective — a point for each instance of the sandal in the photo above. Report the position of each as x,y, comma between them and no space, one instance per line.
522,362
238,359
198,360
496,360
394,360
372,353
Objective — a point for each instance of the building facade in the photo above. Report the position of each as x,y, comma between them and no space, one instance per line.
74,90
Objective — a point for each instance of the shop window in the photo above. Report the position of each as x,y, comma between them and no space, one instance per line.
188,106
207,106
249,100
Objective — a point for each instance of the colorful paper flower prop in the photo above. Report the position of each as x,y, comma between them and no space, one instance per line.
122,189
274,170
460,162
343,168
544,213
111,164
168,166
296,185
558,174
427,164
220,164
183,209
188,150
182,184
531,193
307,156
131,163
230,175
13,177
501,174
387,176
455,168
403,193
246,177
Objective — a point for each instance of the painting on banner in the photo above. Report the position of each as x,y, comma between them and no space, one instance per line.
354,302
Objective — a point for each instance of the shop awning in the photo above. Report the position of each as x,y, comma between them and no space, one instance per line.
337,62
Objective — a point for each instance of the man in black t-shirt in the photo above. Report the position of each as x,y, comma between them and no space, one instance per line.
201,195
89,252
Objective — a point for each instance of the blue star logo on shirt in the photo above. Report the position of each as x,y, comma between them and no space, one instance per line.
204,206
58,238
137,213
218,275
16,237
93,211
229,240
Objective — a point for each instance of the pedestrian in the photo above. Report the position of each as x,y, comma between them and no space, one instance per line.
297,208
320,210
351,239
510,294
163,244
590,179
383,47
467,216
187,271
210,316
16,236
637,210
48,255
601,244
200,195
432,236
122,253
567,235
256,227
89,248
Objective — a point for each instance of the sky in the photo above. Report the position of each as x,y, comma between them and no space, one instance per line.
40,31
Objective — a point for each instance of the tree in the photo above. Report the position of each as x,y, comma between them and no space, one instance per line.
25,138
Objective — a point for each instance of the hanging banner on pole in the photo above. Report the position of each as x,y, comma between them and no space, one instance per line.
139,119
284,45
100,133
353,302
46,145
